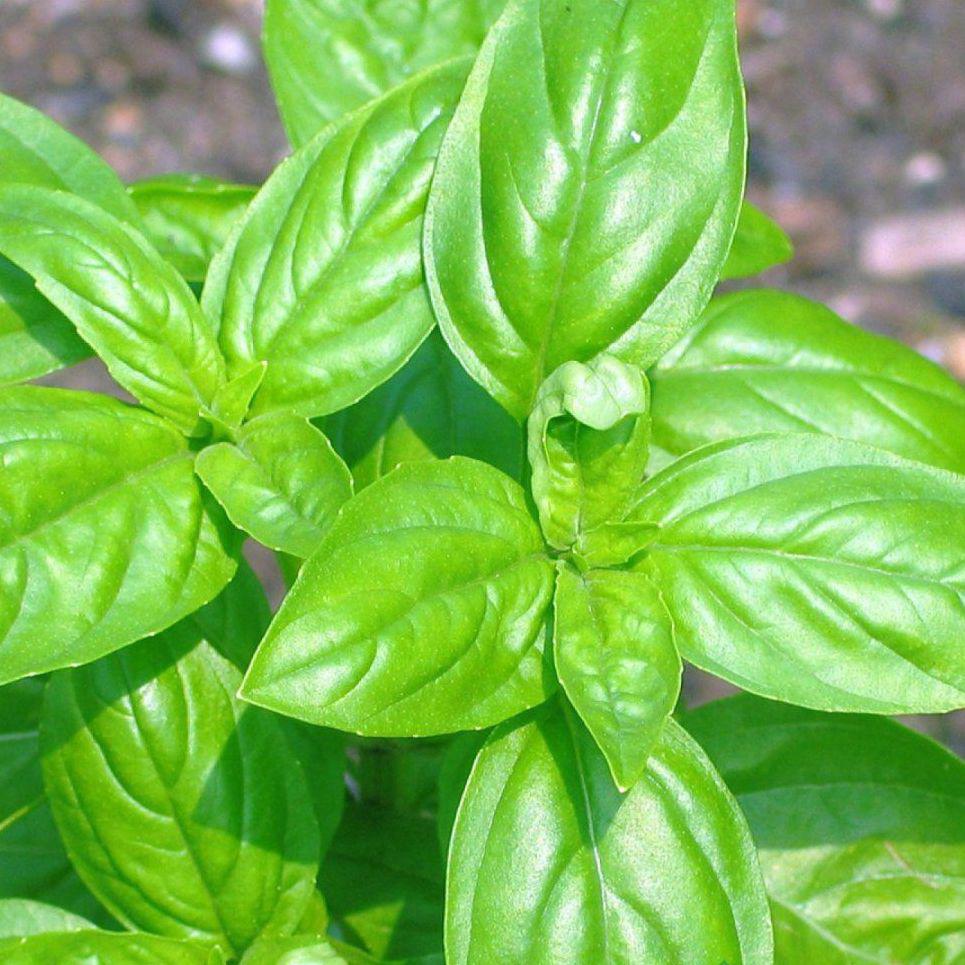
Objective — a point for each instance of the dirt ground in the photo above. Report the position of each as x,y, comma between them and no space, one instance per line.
857,119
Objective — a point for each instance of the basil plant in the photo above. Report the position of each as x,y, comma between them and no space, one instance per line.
461,365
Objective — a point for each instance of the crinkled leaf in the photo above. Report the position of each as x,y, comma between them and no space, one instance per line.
616,659
588,439
106,535
588,187
384,882
188,217
549,863
183,810
431,409
860,827
280,481
105,948
20,917
323,277
759,243
327,57
818,571
129,304
768,361
422,611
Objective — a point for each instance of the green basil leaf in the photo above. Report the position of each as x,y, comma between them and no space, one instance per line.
21,786
105,948
550,863
818,571
422,612
860,827
588,187
295,950
768,361
327,57
322,279
401,775
616,659
588,439
457,764
188,217
759,243
183,810
106,535
20,917
384,882
131,306
280,481
430,409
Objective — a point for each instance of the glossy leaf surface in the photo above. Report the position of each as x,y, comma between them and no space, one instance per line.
550,864
183,810
588,187
588,441
20,917
188,217
759,244
616,659
860,826
106,535
104,948
126,302
815,570
280,482
431,409
422,611
323,277
327,57
768,361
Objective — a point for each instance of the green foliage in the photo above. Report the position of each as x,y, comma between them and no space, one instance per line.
458,365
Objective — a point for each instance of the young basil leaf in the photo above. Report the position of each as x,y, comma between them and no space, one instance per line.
814,570
20,917
105,948
422,612
759,243
130,305
588,440
765,361
294,950
280,481
549,863
616,659
106,534
860,827
384,882
148,752
327,57
188,217
322,279
588,187
430,409
457,764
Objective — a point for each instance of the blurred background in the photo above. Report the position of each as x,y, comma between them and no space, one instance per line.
856,109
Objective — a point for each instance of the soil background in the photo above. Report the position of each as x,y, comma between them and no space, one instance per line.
857,121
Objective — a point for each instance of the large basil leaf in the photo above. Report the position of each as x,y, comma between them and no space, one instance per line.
616,659
93,947
384,882
431,409
758,244
550,863
323,277
106,535
183,810
280,481
814,570
588,187
327,57
588,439
188,217
20,917
125,300
860,827
422,611
766,361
